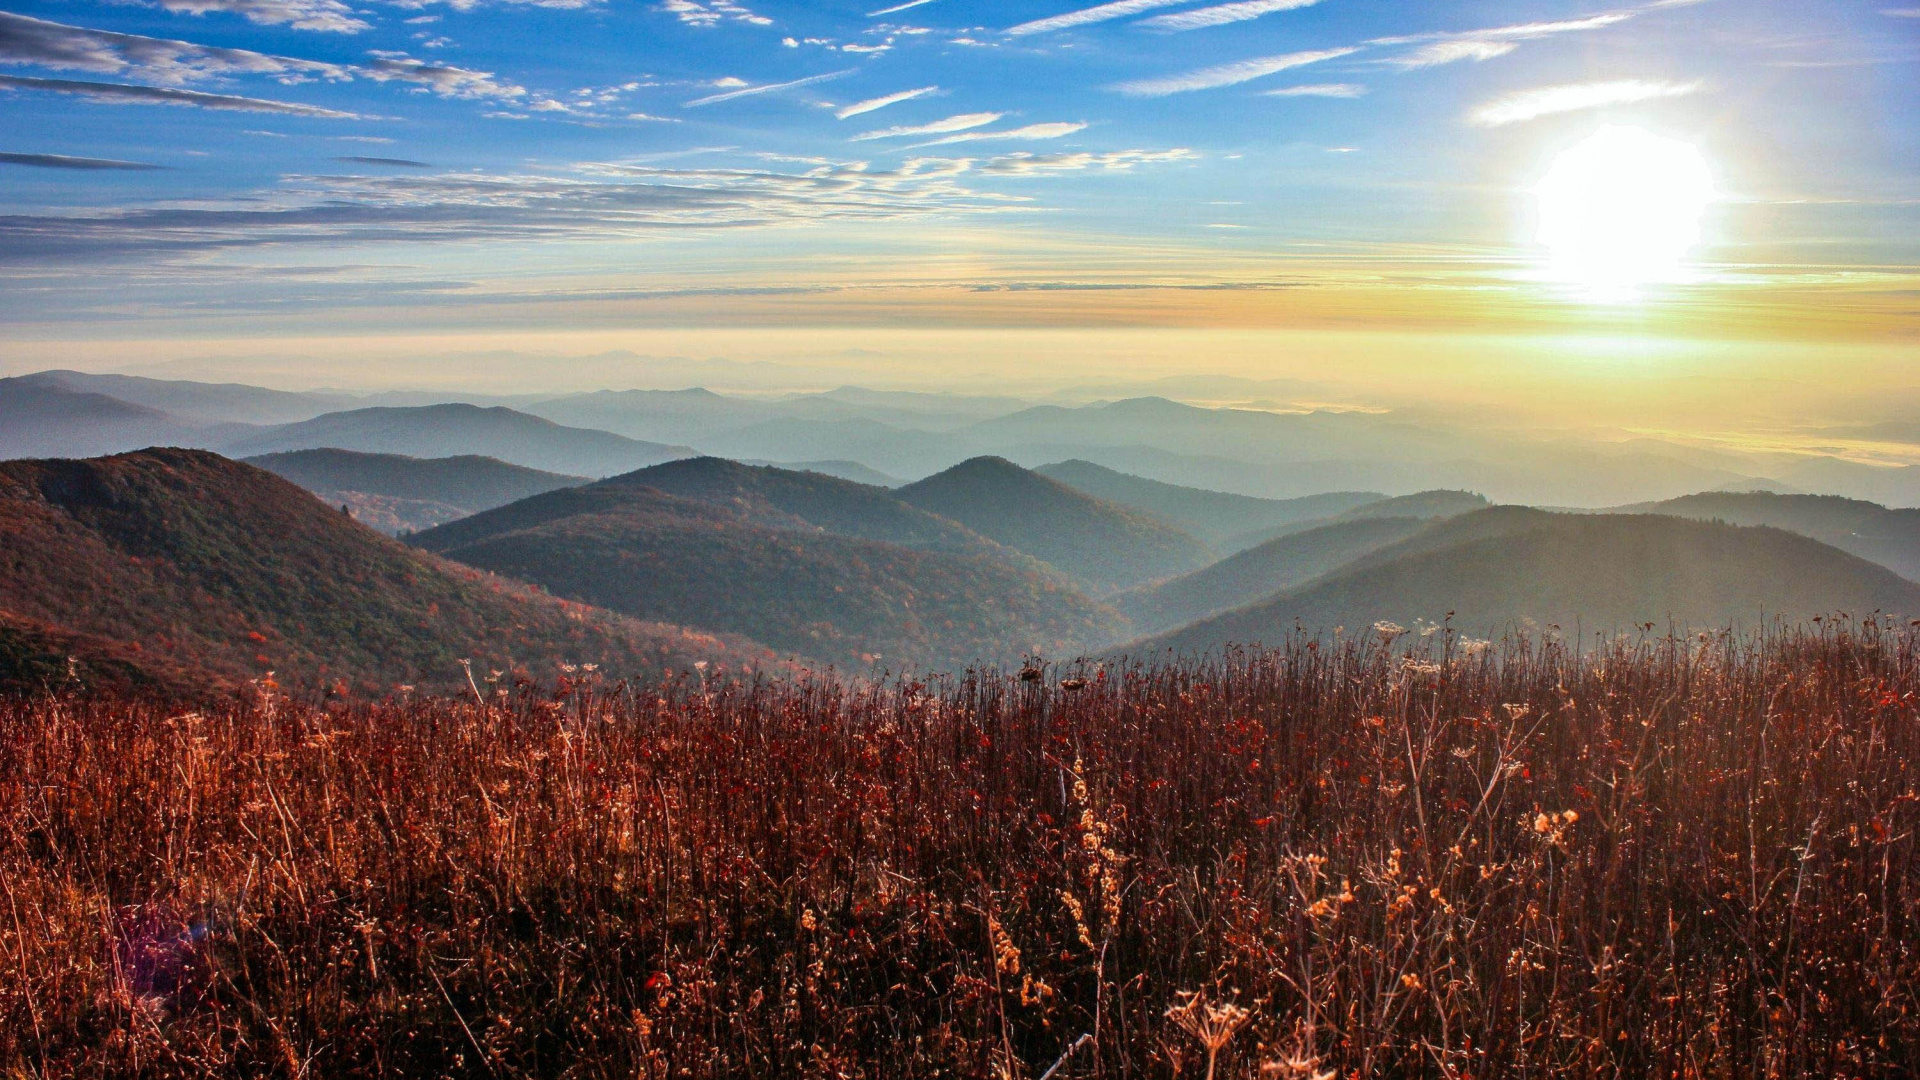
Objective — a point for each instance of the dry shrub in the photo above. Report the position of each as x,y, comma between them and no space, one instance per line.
1667,857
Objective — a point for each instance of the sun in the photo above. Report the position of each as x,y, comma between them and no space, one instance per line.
1622,210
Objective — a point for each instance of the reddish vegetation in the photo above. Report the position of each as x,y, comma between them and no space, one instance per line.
1682,858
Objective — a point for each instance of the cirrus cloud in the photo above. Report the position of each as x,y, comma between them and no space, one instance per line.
1573,97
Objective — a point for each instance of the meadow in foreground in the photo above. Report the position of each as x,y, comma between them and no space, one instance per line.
1383,857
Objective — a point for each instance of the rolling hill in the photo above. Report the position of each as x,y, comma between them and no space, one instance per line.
1511,566
1214,516
197,402
1108,546
39,418
745,563
395,493
188,565
1278,564
437,431
1869,530
1424,505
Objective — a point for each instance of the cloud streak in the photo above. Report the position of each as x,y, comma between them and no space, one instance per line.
1232,74
26,40
81,164
963,122
1326,90
1119,9
1222,14
1573,97
1031,131
127,94
860,108
770,88
326,15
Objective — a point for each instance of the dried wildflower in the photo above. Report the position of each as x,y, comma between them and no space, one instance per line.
1212,1026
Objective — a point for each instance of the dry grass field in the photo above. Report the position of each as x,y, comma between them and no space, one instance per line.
1382,856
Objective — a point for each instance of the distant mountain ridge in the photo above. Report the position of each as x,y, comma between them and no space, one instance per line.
1215,517
1869,530
1104,544
1511,567
1258,572
1424,506
395,493
820,567
439,431
195,568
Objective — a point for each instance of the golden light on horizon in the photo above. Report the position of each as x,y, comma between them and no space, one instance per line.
1622,210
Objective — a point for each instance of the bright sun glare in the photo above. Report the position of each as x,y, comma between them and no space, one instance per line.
1622,210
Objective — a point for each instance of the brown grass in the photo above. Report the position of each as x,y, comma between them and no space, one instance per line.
1673,858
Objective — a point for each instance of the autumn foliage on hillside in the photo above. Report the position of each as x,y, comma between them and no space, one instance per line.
1377,857
176,563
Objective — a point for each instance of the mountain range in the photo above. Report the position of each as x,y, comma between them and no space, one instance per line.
1105,545
822,568
1258,448
1507,568
398,494
184,568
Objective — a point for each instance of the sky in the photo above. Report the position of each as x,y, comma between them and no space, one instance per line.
343,192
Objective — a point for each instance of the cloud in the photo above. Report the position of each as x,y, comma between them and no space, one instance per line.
897,8
1228,74
1449,48
1901,13
604,202
712,12
83,164
1222,14
859,108
1329,90
442,79
714,99
1031,131
328,15
963,122
394,162
1025,164
125,94
1449,52
1548,100
25,40
1120,9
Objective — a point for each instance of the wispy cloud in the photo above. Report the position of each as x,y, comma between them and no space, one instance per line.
859,108
127,94
1030,132
1572,97
82,164
1495,41
1451,52
328,15
1229,74
25,40
963,122
770,88
1026,164
712,12
1329,90
391,162
1119,9
897,8
1222,14
1901,13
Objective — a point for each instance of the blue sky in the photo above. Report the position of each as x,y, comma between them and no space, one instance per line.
203,167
